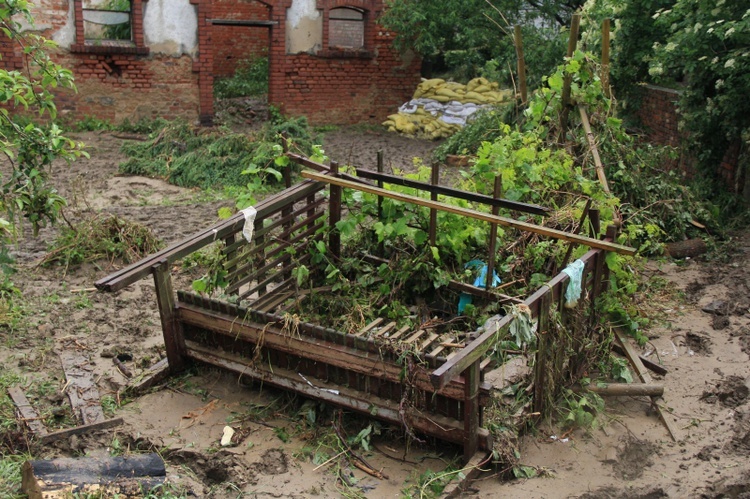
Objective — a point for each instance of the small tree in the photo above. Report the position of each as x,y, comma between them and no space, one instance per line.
29,137
708,49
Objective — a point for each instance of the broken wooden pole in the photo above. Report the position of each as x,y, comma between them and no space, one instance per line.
622,389
594,150
478,215
125,476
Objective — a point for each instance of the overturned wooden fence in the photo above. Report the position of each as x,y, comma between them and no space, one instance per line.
359,371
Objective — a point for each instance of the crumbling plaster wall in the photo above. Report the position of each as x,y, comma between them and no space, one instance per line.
116,85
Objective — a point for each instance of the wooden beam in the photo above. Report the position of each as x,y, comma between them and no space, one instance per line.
521,62
478,215
605,58
622,389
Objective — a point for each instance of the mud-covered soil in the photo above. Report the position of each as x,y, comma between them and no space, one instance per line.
630,454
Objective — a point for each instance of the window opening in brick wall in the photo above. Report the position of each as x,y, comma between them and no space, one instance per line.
346,28
107,22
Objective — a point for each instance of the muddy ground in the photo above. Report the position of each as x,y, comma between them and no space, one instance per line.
705,347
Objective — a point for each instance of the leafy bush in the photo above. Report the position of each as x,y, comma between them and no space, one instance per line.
249,79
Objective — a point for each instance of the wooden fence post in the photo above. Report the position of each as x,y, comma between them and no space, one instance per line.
334,215
497,193
471,410
605,58
540,368
566,104
435,180
174,341
521,62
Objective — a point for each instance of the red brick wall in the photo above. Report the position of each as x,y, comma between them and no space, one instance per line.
116,87
660,117
232,44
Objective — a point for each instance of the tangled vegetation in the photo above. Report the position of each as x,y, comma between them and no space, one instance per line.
193,157
99,237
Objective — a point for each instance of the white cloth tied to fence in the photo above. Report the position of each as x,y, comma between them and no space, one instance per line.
573,293
247,229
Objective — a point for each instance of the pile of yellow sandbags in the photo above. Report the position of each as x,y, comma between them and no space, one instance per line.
477,91
440,108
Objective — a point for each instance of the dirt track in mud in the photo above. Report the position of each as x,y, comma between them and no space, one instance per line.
629,455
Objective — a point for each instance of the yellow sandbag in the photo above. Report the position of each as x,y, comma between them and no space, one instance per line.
442,98
476,82
474,96
482,88
495,85
447,92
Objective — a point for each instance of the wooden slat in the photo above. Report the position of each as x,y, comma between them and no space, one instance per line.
427,342
398,334
26,412
478,215
80,430
369,327
414,337
383,331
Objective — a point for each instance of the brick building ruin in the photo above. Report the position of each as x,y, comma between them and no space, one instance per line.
329,60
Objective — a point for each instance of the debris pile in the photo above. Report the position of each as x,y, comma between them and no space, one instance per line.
439,108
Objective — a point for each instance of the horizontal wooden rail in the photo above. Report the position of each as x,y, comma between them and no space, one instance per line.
266,207
455,193
487,217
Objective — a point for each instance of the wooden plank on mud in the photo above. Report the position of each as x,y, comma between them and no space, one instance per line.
155,374
81,388
26,412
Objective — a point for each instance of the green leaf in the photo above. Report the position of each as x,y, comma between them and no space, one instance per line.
224,213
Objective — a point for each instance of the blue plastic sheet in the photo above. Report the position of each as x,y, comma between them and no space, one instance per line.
479,282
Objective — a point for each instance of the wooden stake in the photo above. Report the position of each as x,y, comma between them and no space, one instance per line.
173,339
497,192
478,215
605,58
435,179
566,104
521,62
334,237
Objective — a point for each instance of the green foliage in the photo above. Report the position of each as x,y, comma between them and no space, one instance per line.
461,36
101,237
249,79
120,31
190,157
580,410
485,126
30,148
707,47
